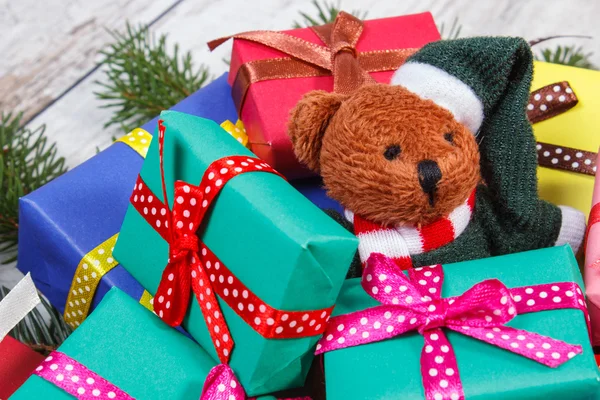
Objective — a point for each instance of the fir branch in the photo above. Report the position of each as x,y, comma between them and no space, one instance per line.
42,333
326,12
27,161
567,55
454,31
144,77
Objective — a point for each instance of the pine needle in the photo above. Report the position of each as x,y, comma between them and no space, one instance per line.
27,161
567,55
454,31
145,78
42,334
326,12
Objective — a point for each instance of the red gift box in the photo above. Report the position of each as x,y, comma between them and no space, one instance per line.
17,362
267,104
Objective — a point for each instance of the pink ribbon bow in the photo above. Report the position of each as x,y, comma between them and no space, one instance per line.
221,384
415,303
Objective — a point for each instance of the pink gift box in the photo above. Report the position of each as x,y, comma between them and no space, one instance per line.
268,103
592,263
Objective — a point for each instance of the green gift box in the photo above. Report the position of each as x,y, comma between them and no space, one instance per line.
133,349
276,242
392,369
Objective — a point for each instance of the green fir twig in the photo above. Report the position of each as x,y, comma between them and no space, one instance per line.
27,161
326,12
144,77
42,333
453,32
567,55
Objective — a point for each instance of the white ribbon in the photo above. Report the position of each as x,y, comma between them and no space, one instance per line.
17,304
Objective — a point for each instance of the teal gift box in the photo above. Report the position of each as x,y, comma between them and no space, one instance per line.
282,247
392,369
133,349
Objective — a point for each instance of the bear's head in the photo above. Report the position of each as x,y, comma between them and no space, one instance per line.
386,154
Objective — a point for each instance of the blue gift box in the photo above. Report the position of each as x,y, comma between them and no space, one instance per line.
313,190
71,216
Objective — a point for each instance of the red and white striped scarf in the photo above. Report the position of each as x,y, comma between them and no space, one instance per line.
400,242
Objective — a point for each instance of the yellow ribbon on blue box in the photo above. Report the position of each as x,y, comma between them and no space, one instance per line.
99,261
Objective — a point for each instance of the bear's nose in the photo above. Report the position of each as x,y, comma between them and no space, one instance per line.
429,176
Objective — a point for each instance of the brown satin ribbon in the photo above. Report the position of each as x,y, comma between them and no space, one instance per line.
566,158
550,101
311,60
545,103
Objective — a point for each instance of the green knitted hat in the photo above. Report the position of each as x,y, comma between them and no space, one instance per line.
470,77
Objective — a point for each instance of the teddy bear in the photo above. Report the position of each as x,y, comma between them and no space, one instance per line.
438,166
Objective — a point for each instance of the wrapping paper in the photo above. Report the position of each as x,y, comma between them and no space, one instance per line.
313,190
487,372
576,128
17,362
283,248
72,215
268,103
133,349
592,269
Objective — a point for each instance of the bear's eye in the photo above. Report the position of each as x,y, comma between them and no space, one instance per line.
449,137
392,152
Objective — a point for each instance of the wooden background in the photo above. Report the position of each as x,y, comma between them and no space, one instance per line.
49,48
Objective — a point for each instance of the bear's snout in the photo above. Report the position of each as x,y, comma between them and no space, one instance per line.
429,176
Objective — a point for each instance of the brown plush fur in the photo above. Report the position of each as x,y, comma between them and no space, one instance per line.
308,123
344,139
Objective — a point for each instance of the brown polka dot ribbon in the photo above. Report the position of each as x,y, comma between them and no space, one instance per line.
545,103
566,158
550,100
192,265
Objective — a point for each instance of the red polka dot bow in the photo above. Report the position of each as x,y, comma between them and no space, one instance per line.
193,266
415,303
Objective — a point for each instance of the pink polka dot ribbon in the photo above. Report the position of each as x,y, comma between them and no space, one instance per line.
221,384
415,303
192,265
77,380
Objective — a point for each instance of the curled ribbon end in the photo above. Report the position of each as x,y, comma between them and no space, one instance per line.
573,350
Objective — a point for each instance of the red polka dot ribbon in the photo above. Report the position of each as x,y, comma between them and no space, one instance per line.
415,303
193,265
77,380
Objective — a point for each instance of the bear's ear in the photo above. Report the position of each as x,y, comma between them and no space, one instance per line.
308,122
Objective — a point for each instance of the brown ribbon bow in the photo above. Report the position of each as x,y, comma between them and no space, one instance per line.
338,57
550,101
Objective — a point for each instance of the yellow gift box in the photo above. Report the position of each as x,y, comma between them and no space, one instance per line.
576,128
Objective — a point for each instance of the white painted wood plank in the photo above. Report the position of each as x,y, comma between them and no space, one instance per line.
76,121
47,46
